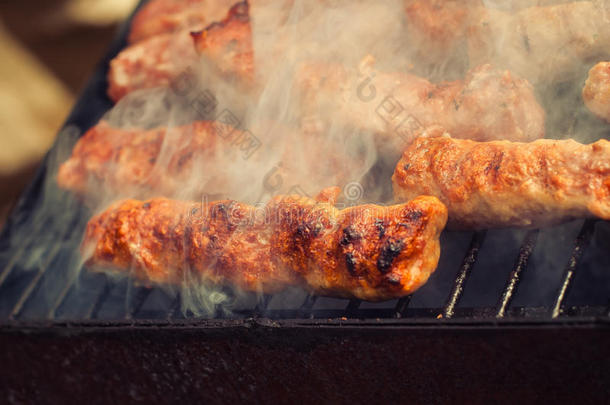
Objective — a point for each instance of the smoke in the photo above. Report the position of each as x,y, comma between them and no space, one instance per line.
292,137
274,149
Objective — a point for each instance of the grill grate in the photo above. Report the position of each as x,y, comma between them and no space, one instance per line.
582,241
460,281
515,276
28,271
106,289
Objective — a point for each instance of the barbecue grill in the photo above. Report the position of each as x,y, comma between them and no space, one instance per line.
504,308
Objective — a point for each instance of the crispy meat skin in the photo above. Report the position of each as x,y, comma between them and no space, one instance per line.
159,60
488,104
166,16
505,184
596,93
366,252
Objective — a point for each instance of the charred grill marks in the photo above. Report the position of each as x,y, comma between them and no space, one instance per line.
495,164
305,230
414,216
349,235
350,262
393,279
226,211
302,230
185,158
380,227
390,250
174,242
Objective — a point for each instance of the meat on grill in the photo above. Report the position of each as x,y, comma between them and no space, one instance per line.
159,60
366,252
119,159
229,44
596,93
507,184
192,159
166,16
488,104
153,62
435,28
543,42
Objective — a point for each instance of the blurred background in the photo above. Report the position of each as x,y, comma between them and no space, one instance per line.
48,49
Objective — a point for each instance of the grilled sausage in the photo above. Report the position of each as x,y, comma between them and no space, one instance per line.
488,104
158,61
541,41
199,158
366,252
507,184
110,159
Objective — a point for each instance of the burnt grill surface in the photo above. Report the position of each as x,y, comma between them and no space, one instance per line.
550,276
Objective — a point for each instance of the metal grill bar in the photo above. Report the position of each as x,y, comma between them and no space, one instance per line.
139,297
306,307
18,255
463,273
174,306
262,304
582,242
402,305
27,293
11,264
63,294
352,307
527,247
99,301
